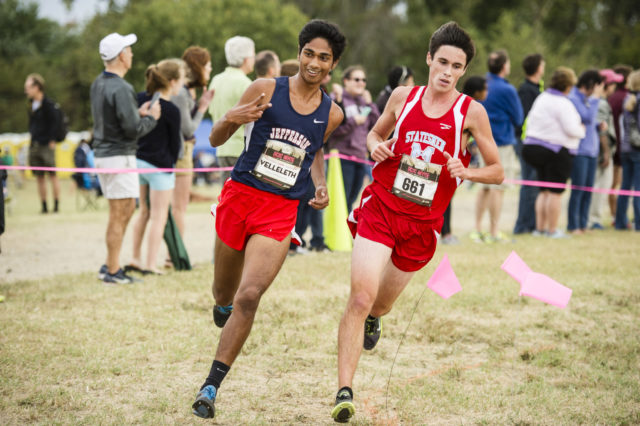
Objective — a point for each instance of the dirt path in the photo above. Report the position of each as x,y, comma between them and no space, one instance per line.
37,246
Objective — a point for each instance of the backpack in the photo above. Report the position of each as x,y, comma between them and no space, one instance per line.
61,126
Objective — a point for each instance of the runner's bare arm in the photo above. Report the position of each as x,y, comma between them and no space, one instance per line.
477,122
377,143
335,118
249,108
321,198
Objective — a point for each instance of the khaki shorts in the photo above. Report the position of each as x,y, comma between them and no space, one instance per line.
118,185
186,162
41,156
510,164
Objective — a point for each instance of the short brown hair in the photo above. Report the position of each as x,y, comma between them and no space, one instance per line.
562,78
289,68
196,58
496,61
346,75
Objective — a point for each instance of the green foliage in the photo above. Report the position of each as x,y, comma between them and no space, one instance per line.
380,33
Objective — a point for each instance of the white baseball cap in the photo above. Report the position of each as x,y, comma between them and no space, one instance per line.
114,43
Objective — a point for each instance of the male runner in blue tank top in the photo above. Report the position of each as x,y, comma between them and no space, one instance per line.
287,119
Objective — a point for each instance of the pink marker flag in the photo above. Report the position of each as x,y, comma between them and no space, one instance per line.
533,284
444,281
541,287
516,267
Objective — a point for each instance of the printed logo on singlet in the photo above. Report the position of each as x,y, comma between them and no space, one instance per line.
296,138
427,138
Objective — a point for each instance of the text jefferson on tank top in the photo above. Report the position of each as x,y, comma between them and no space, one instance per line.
280,146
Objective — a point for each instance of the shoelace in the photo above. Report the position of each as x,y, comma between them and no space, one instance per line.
371,326
225,309
209,392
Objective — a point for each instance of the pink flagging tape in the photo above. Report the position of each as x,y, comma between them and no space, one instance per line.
114,171
566,186
630,193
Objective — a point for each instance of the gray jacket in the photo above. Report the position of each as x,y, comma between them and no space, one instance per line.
117,124
190,118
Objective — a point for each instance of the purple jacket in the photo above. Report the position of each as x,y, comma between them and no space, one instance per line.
350,138
588,110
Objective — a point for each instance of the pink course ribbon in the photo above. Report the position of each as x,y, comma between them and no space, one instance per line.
630,193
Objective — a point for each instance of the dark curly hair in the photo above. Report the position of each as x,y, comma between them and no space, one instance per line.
326,30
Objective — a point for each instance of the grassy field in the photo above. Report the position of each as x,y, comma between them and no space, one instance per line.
75,352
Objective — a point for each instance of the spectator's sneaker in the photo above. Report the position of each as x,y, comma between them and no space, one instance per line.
118,278
221,314
321,248
372,332
597,227
450,240
476,237
102,272
344,408
500,237
557,234
203,407
537,233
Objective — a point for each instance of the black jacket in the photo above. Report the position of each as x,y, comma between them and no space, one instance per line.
42,122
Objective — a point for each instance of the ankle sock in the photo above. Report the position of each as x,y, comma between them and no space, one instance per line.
218,371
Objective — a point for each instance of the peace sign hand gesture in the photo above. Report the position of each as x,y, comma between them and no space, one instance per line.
248,112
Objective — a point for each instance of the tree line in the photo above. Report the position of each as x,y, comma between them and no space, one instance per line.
381,33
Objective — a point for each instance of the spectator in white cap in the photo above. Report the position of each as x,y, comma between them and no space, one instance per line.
229,85
117,125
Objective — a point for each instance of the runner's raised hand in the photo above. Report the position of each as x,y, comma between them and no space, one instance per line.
246,113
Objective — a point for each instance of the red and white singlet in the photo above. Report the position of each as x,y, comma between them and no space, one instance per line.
415,182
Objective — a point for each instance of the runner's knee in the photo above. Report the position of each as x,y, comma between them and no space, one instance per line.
361,302
247,299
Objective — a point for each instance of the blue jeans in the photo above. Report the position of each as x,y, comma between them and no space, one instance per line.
526,221
583,173
352,175
630,180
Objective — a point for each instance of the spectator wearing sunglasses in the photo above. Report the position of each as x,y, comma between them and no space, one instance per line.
350,138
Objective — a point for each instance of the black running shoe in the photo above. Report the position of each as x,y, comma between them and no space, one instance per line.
118,278
221,314
102,272
344,408
372,332
204,406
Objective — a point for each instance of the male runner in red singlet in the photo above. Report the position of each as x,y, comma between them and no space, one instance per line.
417,171
287,120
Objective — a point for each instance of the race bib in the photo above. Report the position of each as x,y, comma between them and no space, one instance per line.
416,180
279,164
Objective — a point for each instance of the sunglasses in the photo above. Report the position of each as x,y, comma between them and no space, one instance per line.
358,80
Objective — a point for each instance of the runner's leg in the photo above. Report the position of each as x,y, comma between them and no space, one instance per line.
263,259
368,261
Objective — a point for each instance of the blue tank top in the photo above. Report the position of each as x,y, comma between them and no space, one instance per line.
280,147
